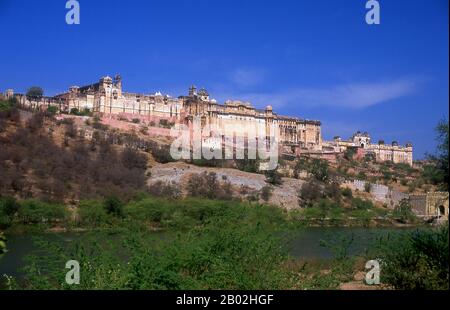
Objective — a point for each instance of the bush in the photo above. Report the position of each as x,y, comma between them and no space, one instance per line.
333,191
327,204
403,212
203,185
52,110
92,213
416,260
113,206
248,165
319,169
132,158
8,206
143,130
84,112
34,212
273,177
310,192
2,244
165,123
161,153
150,209
266,192
362,175
349,154
347,193
165,189
360,204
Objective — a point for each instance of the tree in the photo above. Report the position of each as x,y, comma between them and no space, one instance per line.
35,93
2,244
319,169
442,156
438,171
310,192
403,212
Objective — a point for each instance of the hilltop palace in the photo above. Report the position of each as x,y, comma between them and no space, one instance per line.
296,136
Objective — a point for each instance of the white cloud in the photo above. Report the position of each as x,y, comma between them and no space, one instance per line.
246,77
353,95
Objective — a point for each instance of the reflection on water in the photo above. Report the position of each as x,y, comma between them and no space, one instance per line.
306,243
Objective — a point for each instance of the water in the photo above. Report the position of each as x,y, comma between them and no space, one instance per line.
304,244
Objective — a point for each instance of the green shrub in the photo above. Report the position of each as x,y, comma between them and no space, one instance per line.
416,260
319,169
360,204
310,192
362,175
350,153
327,204
113,206
92,213
150,209
2,244
314,213
347,193
333,191
52,110
84,112
8,206
266,192
34,212
273,177
403,212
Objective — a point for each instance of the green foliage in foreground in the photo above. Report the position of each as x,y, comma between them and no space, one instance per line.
208,244
223,246
416,260
2,244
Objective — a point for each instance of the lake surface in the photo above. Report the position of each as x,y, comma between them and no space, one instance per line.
304,243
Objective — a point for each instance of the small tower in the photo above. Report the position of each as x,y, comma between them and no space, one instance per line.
203,94
361,139
74,89
9,93
192,91
106,85
118,84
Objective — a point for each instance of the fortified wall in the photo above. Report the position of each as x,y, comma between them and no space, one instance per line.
295,136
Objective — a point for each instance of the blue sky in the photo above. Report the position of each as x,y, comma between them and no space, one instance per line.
312,59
